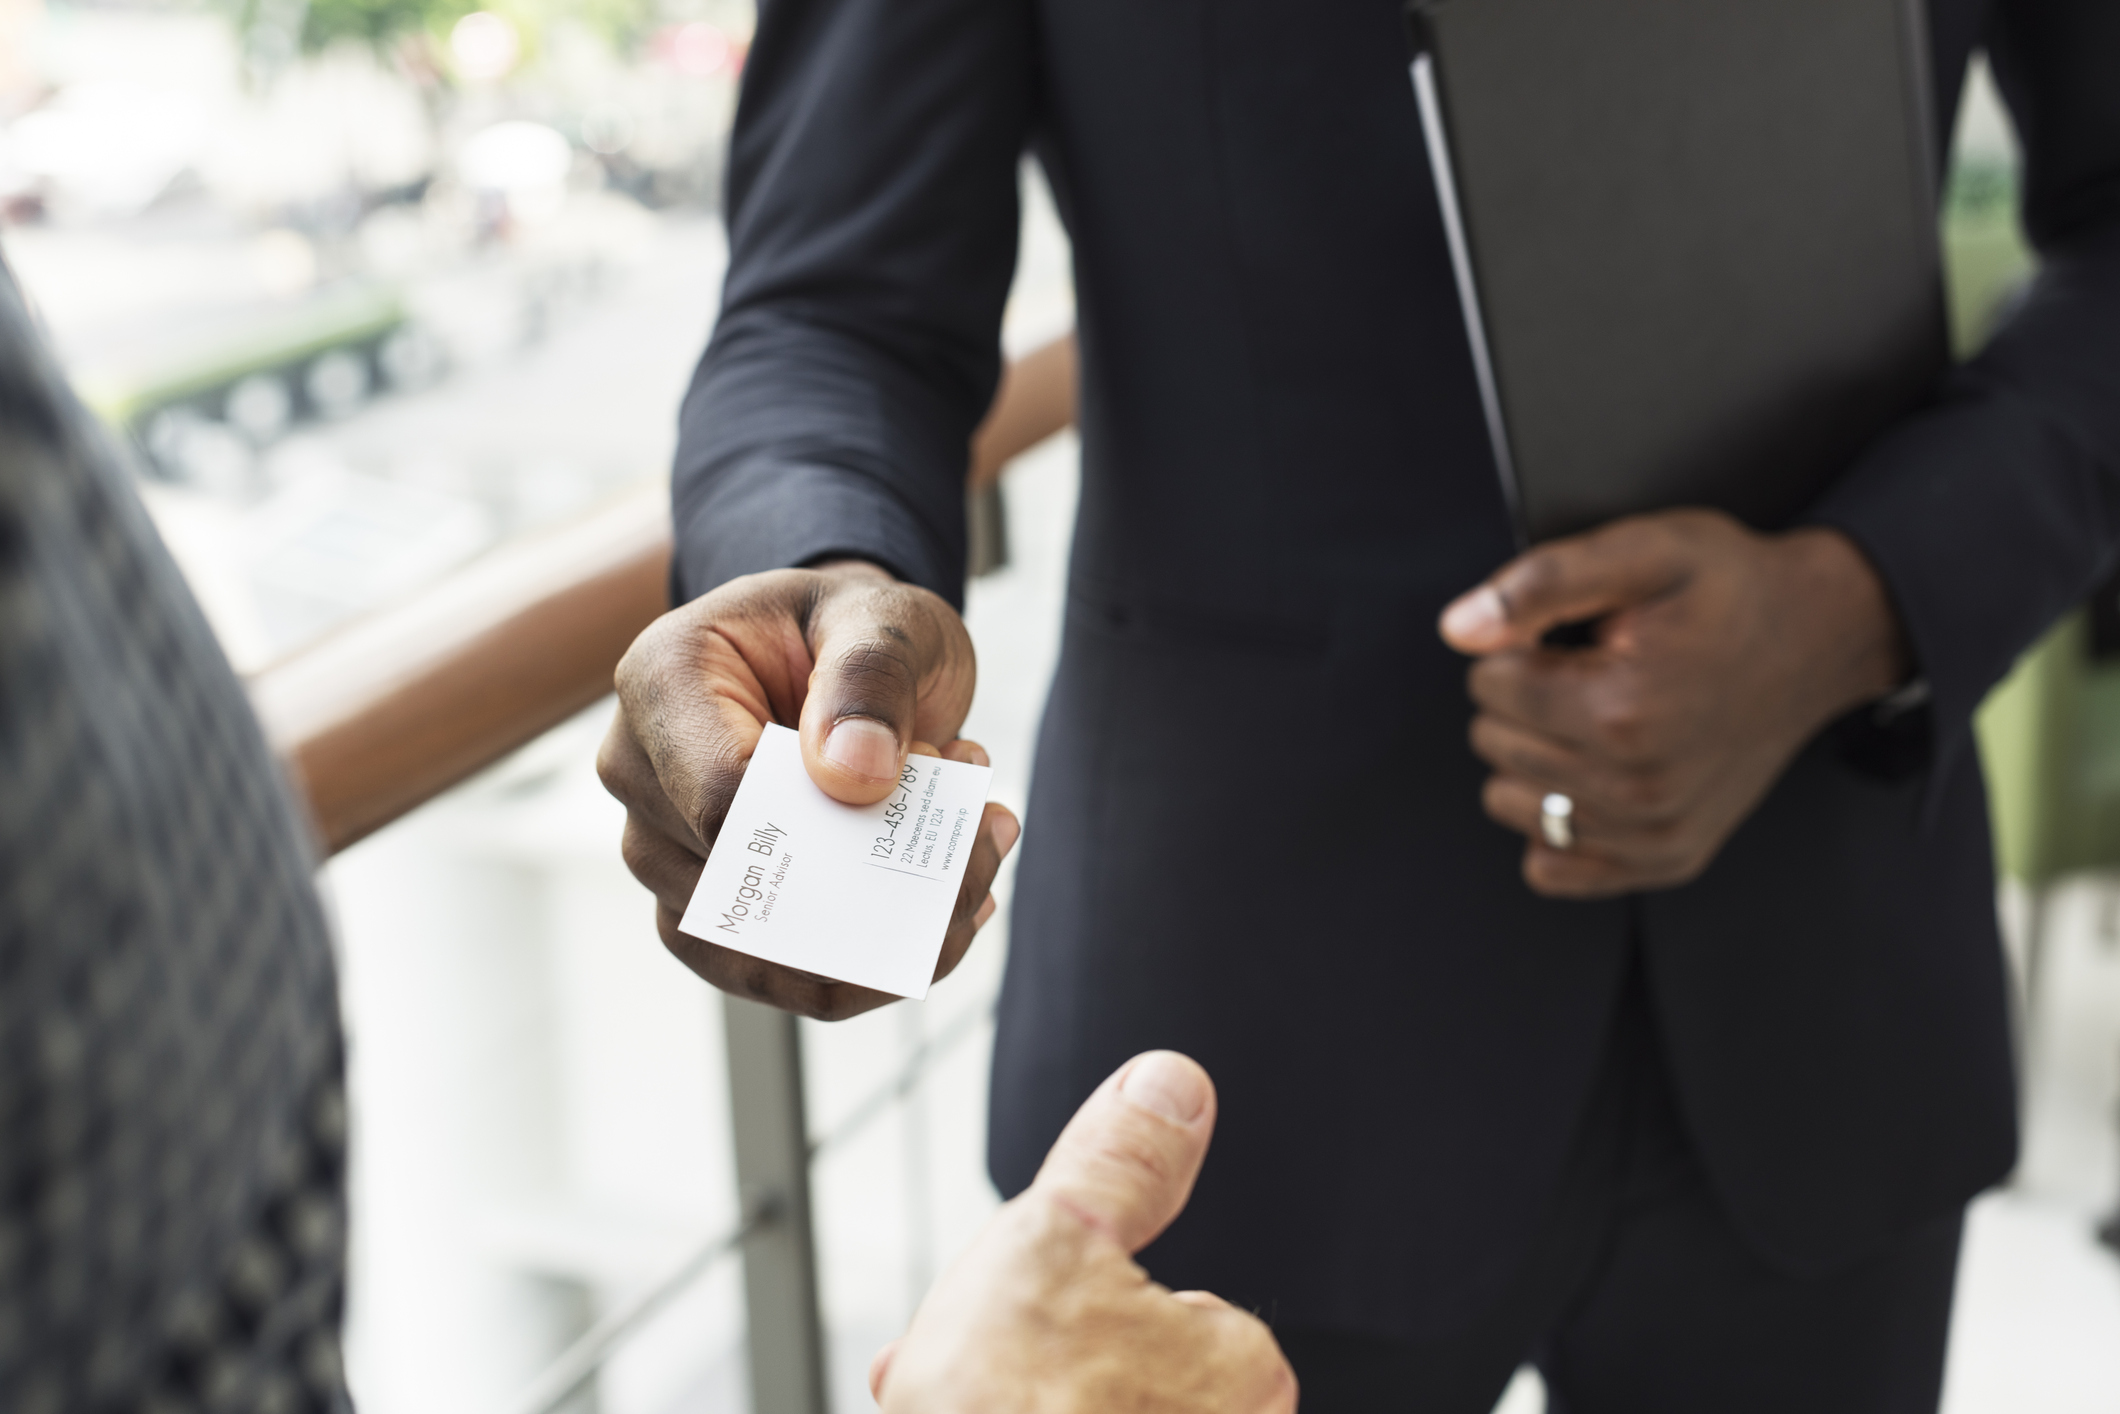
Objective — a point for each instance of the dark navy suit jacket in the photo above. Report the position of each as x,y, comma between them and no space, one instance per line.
1255,833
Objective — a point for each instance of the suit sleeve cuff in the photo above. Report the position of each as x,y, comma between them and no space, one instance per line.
776,515
1955,509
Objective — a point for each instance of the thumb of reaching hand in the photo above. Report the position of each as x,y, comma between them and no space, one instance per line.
1127,1160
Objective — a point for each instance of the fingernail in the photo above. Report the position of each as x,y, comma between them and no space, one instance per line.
986,911
1164,1084
861,747
1005,832
1474,616
971,751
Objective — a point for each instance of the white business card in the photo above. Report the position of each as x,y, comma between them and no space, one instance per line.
860,893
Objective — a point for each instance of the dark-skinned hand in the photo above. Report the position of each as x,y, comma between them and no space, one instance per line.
1718,653
868,668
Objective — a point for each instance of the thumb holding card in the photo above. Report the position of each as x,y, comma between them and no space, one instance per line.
870,697
870,670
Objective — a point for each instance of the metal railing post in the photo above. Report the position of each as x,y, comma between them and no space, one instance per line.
784,1336
770,1038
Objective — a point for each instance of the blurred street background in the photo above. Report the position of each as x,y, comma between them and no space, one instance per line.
370,287
368,301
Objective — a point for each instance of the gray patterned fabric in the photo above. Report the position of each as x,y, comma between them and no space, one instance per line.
172,1206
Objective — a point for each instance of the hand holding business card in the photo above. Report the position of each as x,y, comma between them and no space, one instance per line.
866,666
858,893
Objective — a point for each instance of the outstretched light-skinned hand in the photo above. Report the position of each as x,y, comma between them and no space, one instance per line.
1047,1313
1718,653
868,668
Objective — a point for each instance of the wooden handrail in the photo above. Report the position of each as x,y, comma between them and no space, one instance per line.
389,712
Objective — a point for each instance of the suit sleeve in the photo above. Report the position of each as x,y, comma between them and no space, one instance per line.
1997,508
872,215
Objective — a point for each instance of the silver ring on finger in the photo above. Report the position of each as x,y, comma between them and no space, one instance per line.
1556,820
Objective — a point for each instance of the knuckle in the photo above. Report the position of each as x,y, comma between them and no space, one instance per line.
659,865
1035,1221
1133,1151
721,767
659,657
1489,740
1538,575
619,759
1528,760
1621,722
654,650
1485,679
1556,876
697,957
757,595
633,847
1280,1393
635,664
1262,1372
1537,697
1646,792
876,676
610,770
1629,533
1476,735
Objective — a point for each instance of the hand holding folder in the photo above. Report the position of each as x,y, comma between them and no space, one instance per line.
1696,257
1718,652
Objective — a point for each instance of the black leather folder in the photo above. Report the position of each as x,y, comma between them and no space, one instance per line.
1695,242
